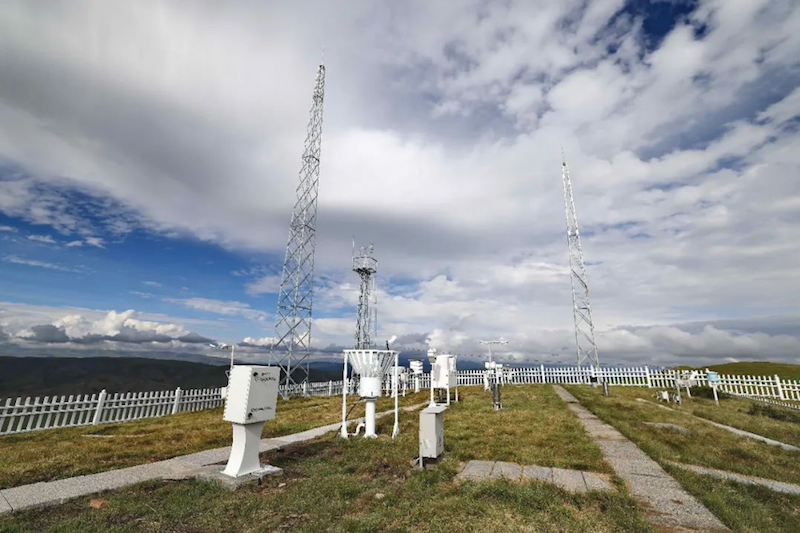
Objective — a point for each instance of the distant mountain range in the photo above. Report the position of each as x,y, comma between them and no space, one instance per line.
48,376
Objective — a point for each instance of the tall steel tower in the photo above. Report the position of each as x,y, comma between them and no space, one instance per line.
581,308
365,265
293,325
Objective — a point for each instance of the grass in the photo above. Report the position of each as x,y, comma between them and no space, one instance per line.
769,421
60,453
708,446
334,485
745,508
754,368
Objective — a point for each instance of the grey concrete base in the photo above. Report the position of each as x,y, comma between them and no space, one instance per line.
214,474
777,486
666,425
668,506
182,467
570,480
736,431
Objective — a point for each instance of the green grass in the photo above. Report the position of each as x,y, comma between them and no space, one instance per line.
331,484
748,415
754,368
745,508
60,453
708,446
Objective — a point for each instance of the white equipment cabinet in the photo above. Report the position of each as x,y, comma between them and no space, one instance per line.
252,395
431,433
416,369
443,373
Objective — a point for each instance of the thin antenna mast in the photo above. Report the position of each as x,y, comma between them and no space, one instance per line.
365,265
585,346
293,324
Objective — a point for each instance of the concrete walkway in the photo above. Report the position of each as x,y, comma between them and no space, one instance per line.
56,492
777,486
737,431
571,480
668,506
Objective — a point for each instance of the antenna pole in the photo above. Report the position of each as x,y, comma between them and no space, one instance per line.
293,325
585,346
365,265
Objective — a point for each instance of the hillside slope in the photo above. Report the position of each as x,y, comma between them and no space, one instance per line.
756,368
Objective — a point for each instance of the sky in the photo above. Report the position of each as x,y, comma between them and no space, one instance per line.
149,155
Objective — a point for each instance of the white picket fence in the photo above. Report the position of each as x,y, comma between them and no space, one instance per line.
31,414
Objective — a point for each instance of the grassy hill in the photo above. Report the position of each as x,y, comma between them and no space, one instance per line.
755,368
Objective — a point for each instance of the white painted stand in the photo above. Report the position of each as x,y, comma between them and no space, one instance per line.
244,452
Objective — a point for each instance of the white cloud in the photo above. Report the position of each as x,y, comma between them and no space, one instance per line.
260,341
220,307
16,260
441,144
46,239
268,284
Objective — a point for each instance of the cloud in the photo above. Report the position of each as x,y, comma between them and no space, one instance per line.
152,283
264,285
111,329
46,239
441,145
260,342
16,260
8,229
220,307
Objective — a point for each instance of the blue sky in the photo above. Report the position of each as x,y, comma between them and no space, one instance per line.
149,155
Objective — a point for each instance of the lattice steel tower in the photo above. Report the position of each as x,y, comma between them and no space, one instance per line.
581,308
365,265
293,324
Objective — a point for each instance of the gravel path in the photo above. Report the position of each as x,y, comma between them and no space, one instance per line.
668,506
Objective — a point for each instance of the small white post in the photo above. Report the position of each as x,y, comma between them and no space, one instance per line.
647,377
343,431
781,395
330,387
541,368
98,413
305,388
396,428
176,405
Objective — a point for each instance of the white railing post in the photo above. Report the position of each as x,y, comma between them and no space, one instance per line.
541,368
98,413
647,377
176,404
779,387
330,387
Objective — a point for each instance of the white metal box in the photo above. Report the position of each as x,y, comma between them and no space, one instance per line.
444,372
252,394
431,431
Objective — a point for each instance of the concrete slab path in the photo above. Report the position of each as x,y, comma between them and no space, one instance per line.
571,480
737,431
56,492
777,486
668,506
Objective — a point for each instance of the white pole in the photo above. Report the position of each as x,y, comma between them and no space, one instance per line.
396,428
343,431
369,419
233,349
